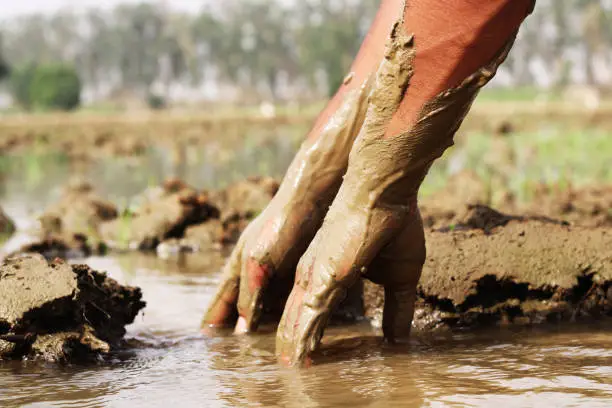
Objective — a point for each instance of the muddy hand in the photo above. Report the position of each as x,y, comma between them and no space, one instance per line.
373,228
356,227
272,244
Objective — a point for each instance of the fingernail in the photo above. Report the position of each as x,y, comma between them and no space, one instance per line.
241,326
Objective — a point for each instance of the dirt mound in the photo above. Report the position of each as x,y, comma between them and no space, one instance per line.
238,204
587,206
7,227
246,198
75,220
52,247
198,238
527,271
166,217
57,312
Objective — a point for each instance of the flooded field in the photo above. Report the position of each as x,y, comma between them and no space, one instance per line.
172,364
169,362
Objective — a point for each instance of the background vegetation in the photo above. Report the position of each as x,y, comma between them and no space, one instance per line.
253,50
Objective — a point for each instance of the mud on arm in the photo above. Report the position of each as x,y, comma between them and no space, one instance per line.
438,57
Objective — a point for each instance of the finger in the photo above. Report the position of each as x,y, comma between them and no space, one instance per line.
255,278
354,230
325,272
222,310
256,270
398,267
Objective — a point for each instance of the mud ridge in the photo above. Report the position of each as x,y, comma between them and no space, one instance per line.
510,270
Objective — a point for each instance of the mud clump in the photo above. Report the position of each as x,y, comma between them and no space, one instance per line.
241,202
58,312
248,197
164,217
71,227
521,271
586,206
198,238
238,204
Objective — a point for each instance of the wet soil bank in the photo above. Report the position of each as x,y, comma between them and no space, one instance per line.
494,269
60,312
173,219
552,262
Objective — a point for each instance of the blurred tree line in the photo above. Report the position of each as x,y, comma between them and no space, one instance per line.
270,49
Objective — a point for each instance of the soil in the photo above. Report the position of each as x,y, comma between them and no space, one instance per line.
246,198
173,218
91,137
239,203
76,218
57,312
587,206
69,228
499,269
163,217
442,208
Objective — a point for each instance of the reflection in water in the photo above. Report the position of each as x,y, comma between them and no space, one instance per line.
171,363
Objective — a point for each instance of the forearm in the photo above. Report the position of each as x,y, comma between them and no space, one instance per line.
452,40
365,63
456,47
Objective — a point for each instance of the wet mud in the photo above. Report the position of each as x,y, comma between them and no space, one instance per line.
551,262
172,218
70,228
58,312
76,218
161,217
235,206
496,269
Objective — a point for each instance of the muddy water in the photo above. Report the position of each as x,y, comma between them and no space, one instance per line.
170,363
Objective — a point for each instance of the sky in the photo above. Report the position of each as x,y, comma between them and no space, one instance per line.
11,8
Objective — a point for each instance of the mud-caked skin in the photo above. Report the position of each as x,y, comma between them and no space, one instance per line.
373,228
273,243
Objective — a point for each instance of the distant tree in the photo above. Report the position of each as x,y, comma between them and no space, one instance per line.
52,86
